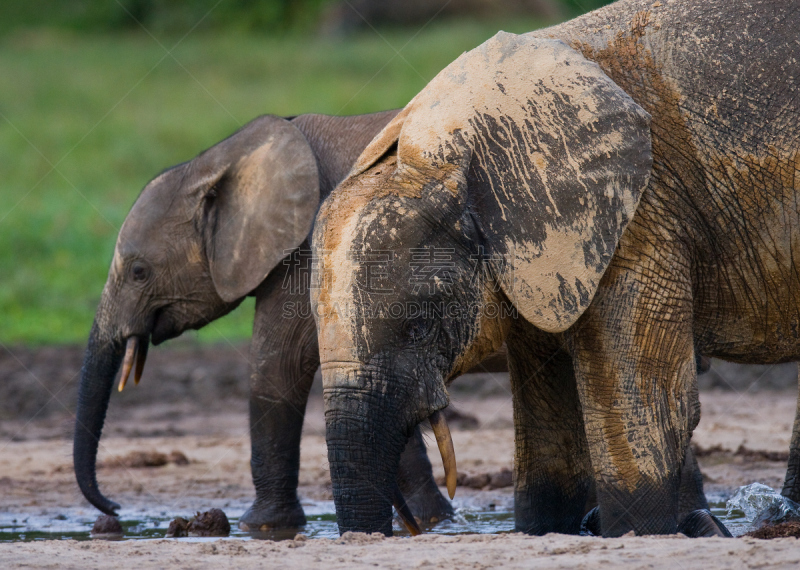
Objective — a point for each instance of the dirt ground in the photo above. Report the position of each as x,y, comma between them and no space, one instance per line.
205,419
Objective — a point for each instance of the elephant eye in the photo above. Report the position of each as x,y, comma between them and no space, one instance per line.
139,272
416,329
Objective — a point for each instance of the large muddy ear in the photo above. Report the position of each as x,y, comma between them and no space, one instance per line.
548,154
262,203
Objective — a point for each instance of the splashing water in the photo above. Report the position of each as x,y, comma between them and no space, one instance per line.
758,504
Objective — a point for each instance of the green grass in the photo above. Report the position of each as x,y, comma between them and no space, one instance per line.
86,121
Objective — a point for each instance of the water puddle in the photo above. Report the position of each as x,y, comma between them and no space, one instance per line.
478,513
736,523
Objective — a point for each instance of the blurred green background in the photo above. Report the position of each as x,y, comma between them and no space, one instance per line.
98,96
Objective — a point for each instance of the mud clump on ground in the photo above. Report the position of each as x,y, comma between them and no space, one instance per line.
213,522
178,527
107,526
138,459
788,529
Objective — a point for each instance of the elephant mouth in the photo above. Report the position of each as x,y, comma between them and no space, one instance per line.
136,346
135,353
445,442
162,327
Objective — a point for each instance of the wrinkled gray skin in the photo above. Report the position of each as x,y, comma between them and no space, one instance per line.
202,236
691,247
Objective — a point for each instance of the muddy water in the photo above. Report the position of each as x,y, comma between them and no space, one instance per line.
476,514
320,515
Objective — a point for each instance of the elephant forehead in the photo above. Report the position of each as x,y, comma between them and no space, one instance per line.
153,204
355,220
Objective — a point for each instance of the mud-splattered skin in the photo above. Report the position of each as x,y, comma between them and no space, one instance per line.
201,236
709,258
723,96
690,244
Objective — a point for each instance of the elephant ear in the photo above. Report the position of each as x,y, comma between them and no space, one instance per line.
262,203
383,141
548,154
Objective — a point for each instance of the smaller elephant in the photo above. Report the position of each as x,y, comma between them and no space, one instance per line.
203,235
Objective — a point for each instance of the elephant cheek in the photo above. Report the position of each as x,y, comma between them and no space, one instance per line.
491,328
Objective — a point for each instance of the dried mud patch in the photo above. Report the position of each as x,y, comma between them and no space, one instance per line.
742,451
487,481
107,526
213,522
139,459
788,529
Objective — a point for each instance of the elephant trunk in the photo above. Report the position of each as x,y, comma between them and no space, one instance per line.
100,365
363,454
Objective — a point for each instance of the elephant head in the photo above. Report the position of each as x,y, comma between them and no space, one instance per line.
200,237
500,192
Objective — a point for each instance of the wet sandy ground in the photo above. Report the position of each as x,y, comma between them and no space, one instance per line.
467,551
36,479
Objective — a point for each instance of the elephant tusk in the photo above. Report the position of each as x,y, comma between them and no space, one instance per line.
445,443
405,513
141,357
131,351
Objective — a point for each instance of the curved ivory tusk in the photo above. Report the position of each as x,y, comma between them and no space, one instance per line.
141,357
405,513
445,443
130,354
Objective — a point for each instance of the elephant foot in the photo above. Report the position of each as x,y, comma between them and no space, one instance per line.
429,506
267,518
696,524
701,523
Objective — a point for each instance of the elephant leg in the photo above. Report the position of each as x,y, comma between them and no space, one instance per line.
691,495
635,365
694,514
791,485
416,482
553,473
284,356
693,506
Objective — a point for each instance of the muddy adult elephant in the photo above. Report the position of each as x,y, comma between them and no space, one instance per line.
608,196
201,237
